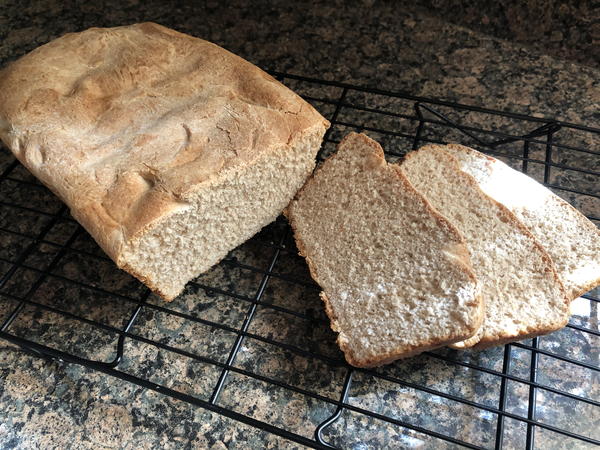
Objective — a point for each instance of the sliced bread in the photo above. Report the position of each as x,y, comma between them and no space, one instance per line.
395,275
522,294
571,240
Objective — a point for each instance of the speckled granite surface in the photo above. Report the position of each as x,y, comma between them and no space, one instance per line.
563,28
55,405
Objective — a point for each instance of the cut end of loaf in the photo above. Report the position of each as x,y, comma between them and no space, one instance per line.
395,274
132,126
220,216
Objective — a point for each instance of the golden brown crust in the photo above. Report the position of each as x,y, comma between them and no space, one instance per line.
586,288
125,124
462,259
493,342
398,353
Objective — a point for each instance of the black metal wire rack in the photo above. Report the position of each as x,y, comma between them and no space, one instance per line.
253,327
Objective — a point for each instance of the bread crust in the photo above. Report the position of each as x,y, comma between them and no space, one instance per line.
127,124
462,259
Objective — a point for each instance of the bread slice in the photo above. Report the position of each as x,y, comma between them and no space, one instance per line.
395,275
522,294
571,240
168,149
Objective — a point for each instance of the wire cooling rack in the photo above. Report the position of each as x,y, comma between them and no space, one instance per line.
249,339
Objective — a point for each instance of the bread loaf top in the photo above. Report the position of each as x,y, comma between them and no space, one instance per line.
125,124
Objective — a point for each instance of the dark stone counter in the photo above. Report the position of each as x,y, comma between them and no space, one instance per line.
387,45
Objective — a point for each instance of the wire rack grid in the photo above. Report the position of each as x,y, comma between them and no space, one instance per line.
249,340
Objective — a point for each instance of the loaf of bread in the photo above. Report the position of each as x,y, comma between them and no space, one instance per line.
168,149
396,276
571,240
521,291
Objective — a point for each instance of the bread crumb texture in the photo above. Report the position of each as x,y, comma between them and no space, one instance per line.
395,275
522,294
571,240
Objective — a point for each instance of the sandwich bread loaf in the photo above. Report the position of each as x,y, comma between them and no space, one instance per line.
169,150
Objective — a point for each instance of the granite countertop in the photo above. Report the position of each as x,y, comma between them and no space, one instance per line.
389,45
